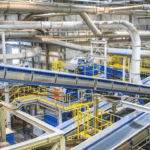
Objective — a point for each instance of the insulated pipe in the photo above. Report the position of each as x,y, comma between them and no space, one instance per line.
20,34
124,34
63,25
110,51
136,47
47,8
127,52
90,24
137,7
109,2
34,51
56,42
132,12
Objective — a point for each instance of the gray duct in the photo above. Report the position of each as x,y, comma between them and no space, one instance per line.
124,34
20,34
90,24
136,46
132,12
126,52
126,8
107,2
33,52
56,42
56,25
47,8
110,51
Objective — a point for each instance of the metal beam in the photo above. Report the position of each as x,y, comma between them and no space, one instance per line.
56,135
2,125
96,104
136,106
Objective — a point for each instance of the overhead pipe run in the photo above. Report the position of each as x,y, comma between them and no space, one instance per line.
126,8
21,34
34,51
90,24
47,8
136,46
110,51
56,42
132,12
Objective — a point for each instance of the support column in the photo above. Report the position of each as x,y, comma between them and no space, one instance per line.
32,110
2,125
60,102
90,24
129,68
124,69
114,110
8,119
62,144
96,103
60,117
47,57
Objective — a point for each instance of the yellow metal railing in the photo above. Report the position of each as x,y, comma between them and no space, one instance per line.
16,87
117,61
43,93
58,66
84,118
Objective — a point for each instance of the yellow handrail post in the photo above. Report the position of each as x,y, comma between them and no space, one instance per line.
93,69
78,125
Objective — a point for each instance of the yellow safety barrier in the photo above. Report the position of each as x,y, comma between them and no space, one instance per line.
117,61
58,66
84,118
15,87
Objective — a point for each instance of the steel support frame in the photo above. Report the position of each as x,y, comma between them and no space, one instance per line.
8,120
124,69
104,57
2,125
56,135
96,104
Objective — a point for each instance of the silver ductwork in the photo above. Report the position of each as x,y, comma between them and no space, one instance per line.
20,34
90,24
47,8
136,46
126,52
126,8
33,52
132,12
62,25
56,42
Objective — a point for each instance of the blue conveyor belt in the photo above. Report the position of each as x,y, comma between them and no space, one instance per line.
60,79
118,133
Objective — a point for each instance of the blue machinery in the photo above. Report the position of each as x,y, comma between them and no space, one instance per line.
133,123
59,79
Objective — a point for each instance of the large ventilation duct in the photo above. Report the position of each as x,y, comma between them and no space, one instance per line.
136,46
104,3
33,52
127,52
56,42
124,34
47,8
132,12
110,51
126,8
59,25
20,34
90,24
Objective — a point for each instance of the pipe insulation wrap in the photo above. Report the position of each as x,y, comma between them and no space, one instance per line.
34,51
47,8
90,24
